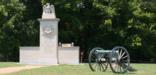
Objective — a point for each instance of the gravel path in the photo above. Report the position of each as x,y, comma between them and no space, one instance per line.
16,69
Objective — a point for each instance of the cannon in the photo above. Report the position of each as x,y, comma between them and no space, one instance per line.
118,59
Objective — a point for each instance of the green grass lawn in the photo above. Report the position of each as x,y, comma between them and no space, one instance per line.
8,64
83,69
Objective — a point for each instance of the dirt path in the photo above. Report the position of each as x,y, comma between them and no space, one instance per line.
16,69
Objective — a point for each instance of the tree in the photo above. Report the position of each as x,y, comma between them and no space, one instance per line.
11,13
19,26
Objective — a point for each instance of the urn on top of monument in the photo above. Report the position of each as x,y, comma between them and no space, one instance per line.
48,11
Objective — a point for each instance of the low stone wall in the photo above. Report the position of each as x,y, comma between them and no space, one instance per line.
68,55
29,55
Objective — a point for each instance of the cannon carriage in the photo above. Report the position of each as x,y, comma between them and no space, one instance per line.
118,58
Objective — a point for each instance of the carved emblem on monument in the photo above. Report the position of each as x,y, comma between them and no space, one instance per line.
48,30
48,11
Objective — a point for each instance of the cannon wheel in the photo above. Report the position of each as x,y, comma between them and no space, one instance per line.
119,60
95,62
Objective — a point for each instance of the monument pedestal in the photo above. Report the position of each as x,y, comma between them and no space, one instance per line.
49,40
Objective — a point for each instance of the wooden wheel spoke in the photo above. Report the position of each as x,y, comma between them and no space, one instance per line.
124,66
96,66
119,67
100,67
103,68
121,70
124,57
122,54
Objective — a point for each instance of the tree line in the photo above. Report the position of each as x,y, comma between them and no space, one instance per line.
87,23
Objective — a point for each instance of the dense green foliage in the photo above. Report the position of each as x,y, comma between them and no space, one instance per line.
87,23
11,15
18,26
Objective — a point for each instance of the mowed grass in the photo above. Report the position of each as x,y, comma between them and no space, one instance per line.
83,69
8,64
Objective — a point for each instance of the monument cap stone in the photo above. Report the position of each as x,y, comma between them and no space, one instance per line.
48,11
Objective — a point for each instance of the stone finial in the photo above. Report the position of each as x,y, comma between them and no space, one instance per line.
48,11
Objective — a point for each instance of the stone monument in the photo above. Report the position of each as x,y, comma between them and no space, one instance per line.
49,53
